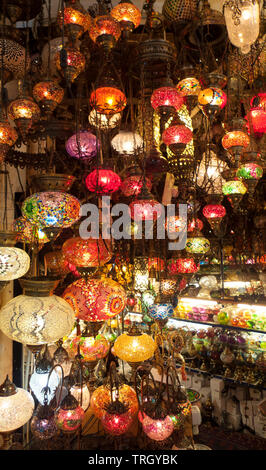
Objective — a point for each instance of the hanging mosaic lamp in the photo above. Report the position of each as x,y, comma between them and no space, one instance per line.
101,398
8,137
195,224
257,114
90,348
73,64
43,424
14,262
214,213
54,208
95,300
211,100
145,206
82,394
166,100
157,429
105,31
48,94
24,112
234,190
160,311
45,379
179,11
134,346
55,263
16,407
103,181
188,86
131,186
69,415
251,173
197,245
117,419
176,137
83,145
76,20
108,100
36,317
182,266
86,253
127,14
236,140
28,233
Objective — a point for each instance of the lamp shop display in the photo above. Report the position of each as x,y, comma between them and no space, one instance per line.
132,224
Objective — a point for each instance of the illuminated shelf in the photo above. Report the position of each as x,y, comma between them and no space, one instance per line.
226,301
231,327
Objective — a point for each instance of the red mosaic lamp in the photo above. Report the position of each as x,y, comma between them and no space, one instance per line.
166,100
145,206
95,299
214,213
257,114
132,185
85,254
176,137
103,181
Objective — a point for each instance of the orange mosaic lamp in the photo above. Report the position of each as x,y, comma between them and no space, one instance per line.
127,14
76,20
8,137
48,94
105,31
108,100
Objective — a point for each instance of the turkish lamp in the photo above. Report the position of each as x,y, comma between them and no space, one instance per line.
37,317
70,62
8,136
116,419
16,407
242,21
105,31
24,112
45,380
134,347
233,189
76,20
145,206
236,140
61,357
214,213
48,94
128,15
69,415
166,100
14,262
43,424
250,173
